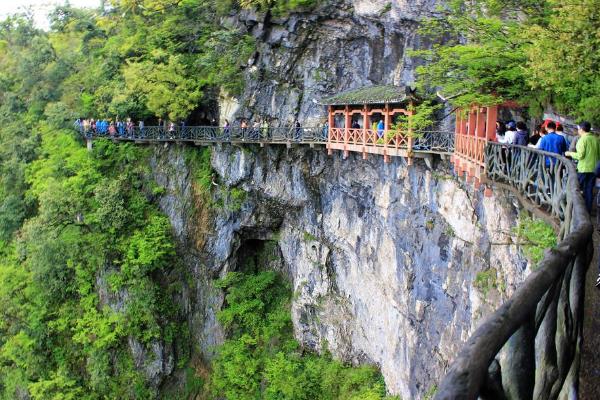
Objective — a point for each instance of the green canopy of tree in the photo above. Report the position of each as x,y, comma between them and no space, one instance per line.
538,52
88,264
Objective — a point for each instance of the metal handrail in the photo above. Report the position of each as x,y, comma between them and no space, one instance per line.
215,134
425,141
549,182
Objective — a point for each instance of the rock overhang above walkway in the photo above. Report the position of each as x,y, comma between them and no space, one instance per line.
377,94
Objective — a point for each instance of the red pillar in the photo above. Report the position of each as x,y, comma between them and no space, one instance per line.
481,122
491,118
386,116
347,123
330,121
365,124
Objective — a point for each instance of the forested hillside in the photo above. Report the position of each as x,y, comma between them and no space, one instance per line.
89,267
88,264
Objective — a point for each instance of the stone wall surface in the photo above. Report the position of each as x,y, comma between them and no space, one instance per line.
339,45
383,258
386,260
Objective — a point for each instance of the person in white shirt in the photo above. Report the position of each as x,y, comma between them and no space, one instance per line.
511,131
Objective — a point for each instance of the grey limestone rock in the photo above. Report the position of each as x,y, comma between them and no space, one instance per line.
383,258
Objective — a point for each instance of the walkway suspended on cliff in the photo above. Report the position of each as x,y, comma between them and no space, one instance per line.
424,142
360,120
544,316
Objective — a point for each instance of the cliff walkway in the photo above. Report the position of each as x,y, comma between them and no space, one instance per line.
529,348
366,141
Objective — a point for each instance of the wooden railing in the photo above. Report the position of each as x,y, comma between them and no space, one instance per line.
440,142
424,141
472,148
529,348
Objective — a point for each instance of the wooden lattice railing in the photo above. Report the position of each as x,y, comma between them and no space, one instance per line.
530,347
424,141
471,148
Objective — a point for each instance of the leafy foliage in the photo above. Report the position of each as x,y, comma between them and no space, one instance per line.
535,236
277,7
262,360
537,52
76,228
486,280
62,322
422,118
87,262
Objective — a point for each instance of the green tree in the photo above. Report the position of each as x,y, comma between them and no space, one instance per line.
538,52
262,360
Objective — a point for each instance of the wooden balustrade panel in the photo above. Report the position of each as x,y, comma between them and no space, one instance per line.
336,134
371,137
471,148
355,136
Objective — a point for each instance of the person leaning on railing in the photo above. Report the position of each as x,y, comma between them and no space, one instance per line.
588,156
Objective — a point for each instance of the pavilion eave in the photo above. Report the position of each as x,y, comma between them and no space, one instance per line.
380,94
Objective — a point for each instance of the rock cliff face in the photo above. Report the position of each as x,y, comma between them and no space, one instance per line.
339,45
391,264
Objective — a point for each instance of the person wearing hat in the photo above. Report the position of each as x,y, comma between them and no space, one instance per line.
511,131
588,156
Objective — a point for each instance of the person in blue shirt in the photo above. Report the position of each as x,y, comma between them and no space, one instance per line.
380,128
521,136
552,142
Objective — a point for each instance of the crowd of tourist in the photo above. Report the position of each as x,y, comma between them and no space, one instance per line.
120,128
584,148
246,130
517,133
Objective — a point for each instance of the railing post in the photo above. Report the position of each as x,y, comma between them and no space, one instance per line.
411,139
491,118
347,122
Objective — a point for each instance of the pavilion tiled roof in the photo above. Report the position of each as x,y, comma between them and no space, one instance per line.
378,94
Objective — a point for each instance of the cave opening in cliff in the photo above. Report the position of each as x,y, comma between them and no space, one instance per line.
255,255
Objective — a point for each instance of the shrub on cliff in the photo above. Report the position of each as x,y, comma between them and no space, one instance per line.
262,360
